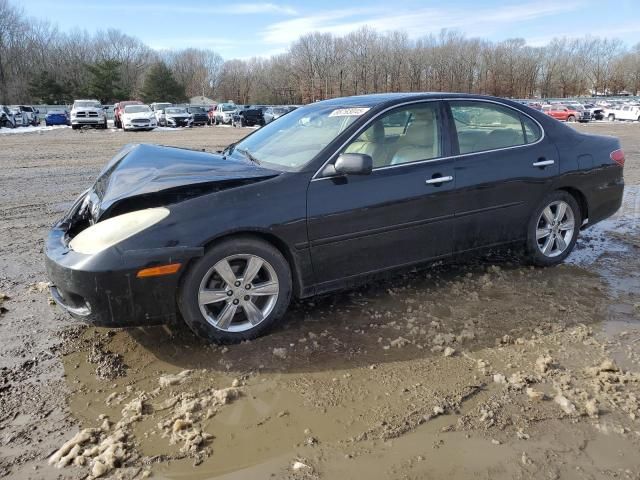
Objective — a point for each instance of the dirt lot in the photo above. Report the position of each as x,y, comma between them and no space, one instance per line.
484,369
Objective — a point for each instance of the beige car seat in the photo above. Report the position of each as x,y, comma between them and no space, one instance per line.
371,142
420,141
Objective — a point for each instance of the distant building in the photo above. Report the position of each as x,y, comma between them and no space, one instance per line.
200,100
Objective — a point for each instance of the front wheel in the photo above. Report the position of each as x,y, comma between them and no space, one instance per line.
553,229
612,117
237,291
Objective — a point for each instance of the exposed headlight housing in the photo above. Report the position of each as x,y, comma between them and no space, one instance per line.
114,230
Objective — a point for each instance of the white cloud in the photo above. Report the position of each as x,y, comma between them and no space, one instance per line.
234,9
416,22
251,8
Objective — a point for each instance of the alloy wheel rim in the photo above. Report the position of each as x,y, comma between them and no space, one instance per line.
238,293
555,229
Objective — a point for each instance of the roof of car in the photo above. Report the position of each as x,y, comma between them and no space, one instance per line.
375,99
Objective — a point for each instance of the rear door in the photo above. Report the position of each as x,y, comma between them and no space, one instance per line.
399,214
504,167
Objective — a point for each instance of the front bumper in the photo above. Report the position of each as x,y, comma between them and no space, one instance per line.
179,122
88,121
103,289
140,126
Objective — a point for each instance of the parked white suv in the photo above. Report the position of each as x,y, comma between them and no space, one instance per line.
88,113
29,115
224,113
158,111
623,112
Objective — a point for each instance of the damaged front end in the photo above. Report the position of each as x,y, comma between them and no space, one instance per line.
94,271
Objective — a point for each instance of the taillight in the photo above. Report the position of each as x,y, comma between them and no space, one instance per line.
618,157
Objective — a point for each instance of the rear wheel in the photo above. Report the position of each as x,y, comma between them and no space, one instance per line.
553,229
238,290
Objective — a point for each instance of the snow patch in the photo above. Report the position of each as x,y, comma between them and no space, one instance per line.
608,235
31,129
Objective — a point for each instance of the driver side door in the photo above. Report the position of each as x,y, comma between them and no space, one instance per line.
397,215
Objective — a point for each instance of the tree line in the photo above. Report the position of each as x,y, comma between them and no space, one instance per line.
40,64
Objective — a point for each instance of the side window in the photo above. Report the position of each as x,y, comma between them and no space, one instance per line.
532,131
404,135
488,126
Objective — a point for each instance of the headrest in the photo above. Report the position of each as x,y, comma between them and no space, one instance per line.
421,131
375,133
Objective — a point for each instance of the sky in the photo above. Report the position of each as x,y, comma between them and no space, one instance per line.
246,28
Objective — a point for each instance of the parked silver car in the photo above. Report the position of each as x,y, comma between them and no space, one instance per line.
271,113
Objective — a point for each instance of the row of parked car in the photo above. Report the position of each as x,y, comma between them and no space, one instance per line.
573,111
230,113
18,116
135,115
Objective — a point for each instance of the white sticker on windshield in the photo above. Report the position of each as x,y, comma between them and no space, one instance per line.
349,112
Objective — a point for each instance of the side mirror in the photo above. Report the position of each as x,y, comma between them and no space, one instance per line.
354,164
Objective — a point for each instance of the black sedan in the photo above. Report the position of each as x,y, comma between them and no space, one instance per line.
321,199
199,115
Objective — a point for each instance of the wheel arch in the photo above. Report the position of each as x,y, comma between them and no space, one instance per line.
580,198
273,240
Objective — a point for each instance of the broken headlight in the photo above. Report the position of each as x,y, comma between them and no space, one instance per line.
107,233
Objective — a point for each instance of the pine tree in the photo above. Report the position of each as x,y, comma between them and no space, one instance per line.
44,89
104,82
161,86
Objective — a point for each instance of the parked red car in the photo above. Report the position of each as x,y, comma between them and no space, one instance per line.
118,110
562,113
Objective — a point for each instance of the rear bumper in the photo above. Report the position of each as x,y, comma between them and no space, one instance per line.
605,201
103,289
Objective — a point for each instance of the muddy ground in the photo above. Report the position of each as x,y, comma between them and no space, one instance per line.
483,368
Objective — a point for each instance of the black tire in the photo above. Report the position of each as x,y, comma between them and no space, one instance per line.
611,117
571,119
534,252
75,127
190,285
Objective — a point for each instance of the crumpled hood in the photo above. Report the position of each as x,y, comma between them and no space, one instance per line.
143,169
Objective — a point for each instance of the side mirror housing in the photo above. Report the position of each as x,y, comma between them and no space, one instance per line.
354,164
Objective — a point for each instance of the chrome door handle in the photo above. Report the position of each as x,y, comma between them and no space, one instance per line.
544,163
431,181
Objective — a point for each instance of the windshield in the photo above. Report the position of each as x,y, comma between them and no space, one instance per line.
228,108
293,141
136,109
196,110
175,110
87,104
57,112
280,111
